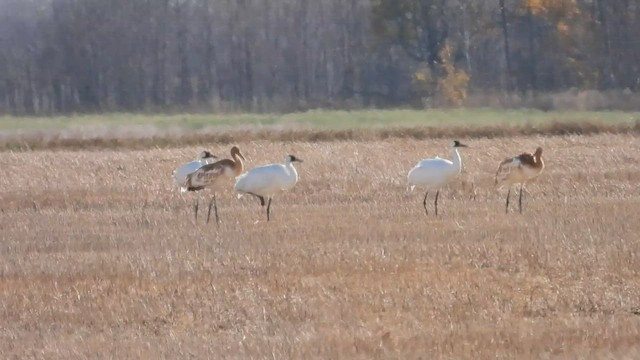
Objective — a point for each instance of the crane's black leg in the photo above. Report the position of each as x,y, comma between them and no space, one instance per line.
436,202
262,202
520,200
215,208
424,203
259,198
268,209
209,212
195,210
213,203
506,211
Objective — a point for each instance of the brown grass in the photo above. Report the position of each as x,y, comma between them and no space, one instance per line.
100,257
51,139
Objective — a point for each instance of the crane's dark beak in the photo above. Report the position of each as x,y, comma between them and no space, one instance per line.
292,158
462,145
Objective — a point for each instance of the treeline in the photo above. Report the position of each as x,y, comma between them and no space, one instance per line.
62,56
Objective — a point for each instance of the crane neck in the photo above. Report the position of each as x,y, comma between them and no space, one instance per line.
289,164
238,164
457,160
537,157
292,169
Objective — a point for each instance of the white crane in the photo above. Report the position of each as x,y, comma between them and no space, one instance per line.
212,175
268,180
436,173
518,170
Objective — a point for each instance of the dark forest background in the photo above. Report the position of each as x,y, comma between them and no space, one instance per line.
63,56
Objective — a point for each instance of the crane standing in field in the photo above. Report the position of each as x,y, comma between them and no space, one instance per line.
212,175
518,170
268,180
436,173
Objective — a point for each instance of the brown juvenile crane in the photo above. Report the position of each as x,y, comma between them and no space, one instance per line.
213,176
518,170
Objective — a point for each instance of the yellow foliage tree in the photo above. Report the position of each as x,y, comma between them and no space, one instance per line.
555,10
453,86
423,83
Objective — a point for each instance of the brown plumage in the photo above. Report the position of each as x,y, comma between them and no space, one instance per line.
518,170
211,174
214,175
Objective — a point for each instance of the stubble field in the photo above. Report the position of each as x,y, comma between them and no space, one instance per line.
100,256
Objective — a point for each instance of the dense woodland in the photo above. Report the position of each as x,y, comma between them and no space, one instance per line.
63,56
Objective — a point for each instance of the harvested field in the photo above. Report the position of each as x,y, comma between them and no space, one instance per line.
101,258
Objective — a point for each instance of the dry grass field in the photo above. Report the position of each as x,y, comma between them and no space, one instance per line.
100,257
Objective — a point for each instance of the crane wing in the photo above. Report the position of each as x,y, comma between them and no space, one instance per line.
432,172
506,167
180,174
526,159
207,175
260,180
435,163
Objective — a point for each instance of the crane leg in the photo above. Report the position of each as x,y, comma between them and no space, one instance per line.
424,203
195,210
215,207
269,210
259,198
507,206
520,200
436,202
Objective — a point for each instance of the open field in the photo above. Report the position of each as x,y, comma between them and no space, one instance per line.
101,258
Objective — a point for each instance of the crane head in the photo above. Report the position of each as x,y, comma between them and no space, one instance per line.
206,155
457,143
291,158
538,152
236,151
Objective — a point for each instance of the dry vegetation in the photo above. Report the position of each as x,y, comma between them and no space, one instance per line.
101,259
149,137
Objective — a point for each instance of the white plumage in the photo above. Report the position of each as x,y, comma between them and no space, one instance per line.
436,173
268,180
432,173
